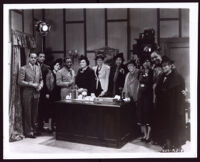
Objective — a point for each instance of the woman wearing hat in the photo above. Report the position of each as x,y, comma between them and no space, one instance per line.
102,72
131,85
170,103
117,76
145,99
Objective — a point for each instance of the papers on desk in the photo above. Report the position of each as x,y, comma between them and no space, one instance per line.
81,98
98,99
104,100
117,97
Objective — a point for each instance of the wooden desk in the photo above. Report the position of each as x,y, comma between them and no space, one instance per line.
91,123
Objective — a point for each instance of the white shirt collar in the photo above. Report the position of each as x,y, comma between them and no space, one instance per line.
32,66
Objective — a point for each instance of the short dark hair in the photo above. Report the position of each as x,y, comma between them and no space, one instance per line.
166,59
32,53
145,58
66,58
156,51
84,58
131,62
41,53
59,60
119,55
101,56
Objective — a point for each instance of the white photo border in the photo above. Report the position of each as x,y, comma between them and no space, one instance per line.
193,44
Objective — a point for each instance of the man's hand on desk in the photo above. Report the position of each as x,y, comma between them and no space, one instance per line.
101,94
128,99
80,90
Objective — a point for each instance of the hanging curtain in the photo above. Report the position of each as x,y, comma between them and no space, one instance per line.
27,51
23,40
15,111
15,108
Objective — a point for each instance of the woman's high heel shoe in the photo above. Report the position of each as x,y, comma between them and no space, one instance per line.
143,139
148,140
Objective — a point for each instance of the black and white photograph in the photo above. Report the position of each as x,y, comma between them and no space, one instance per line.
96,81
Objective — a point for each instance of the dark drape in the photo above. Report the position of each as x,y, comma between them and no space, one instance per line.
19,40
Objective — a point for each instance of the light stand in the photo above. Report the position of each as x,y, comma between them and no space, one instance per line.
43,28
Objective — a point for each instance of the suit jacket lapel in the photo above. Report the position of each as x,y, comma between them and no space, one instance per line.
31,72
95,70
36,71
101,70
67,73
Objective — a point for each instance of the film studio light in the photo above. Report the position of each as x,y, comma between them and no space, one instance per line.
42,27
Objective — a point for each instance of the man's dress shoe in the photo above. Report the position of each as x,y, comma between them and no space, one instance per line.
29,136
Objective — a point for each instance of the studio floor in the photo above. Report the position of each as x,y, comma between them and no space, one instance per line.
47,144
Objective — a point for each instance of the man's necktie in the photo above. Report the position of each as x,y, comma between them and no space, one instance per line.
164,79
34,69
70,72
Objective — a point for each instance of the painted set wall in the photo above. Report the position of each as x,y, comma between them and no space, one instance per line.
16,21
95,29
68,31
177,49
185,23
170,28
140,19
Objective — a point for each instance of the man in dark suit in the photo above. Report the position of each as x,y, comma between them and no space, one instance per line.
42,109
30,79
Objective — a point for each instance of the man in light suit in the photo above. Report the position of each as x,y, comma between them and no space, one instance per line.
30,80
102,72
65,78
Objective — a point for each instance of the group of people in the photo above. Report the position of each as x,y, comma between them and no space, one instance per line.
154,87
